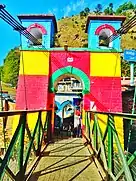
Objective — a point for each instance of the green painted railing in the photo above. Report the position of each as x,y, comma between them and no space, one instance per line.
106,144
25,135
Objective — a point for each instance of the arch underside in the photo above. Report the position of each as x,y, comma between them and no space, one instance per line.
69,70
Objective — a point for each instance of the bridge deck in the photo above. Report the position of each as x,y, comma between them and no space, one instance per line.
67,160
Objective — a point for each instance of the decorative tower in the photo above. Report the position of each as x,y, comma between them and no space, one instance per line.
32,89
105,66
100,29
42,27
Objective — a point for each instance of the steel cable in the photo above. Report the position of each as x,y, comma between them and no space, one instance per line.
124,29
18,27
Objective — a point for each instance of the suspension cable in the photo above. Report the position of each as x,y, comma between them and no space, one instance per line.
22,30
124,29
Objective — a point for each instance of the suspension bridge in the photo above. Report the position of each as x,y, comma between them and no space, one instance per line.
32,149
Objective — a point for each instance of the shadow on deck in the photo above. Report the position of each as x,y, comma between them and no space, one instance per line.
67,160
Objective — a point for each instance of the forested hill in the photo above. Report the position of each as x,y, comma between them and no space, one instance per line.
10,69
71,31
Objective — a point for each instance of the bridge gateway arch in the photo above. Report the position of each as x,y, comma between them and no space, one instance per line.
102,87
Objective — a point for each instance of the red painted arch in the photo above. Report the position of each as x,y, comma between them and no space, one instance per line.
36,25
103,27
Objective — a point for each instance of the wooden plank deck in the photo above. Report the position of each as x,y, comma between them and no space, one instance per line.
66,160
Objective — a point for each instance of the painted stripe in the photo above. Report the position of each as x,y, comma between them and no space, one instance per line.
75,72
32,92
34,63
105,64
105,94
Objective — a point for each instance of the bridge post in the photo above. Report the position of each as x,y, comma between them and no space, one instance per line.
88,125
49,127
95,143
110,147
38,137
20,175
132,73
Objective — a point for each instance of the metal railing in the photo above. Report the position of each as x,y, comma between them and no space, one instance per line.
25,135
118,163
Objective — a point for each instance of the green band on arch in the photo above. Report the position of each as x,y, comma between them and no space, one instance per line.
73,71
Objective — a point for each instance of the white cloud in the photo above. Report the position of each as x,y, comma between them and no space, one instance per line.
67,10
53,11
72,7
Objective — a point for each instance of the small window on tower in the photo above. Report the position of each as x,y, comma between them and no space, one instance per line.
104,37
37,31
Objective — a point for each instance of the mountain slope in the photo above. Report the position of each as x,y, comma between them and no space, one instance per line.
71,31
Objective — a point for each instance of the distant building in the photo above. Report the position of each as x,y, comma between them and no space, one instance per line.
125,83
69,85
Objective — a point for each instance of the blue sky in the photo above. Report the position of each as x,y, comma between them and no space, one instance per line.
9,38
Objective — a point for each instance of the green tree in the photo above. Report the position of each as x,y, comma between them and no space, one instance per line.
82,14
109,10
1,69
87,10
125,68
106,11
130,5
11,67
98,9
124,7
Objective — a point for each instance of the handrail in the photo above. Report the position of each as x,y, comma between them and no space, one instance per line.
106,141
31,134
125,115
18,112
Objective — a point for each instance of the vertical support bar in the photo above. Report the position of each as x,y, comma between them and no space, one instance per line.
91,127
83,122
95,132
132,73
45,129
52,120
21,146
49,128
39,134
4,132
88,125
110,146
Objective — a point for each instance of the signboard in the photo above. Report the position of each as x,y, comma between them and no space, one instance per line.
130,55
70,59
